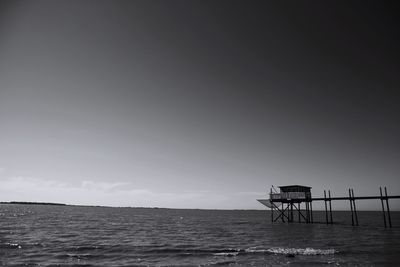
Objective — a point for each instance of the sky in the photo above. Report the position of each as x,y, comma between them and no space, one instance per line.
197,104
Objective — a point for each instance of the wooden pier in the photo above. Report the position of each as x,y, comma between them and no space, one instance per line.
290,199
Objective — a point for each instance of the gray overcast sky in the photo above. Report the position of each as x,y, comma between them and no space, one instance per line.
196,104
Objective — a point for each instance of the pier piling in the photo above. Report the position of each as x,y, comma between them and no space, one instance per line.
388,210
354,207
272,209
299,212
307,213
326,207
330,206
383,207
351,208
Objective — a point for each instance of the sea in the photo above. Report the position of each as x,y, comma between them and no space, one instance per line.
46,235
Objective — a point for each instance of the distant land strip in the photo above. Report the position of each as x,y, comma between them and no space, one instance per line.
33,203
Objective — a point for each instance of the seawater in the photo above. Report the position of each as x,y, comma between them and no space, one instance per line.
34,235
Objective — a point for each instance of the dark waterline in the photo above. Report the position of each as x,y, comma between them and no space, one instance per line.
101,236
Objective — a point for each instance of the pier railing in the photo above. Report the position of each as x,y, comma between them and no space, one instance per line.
288,195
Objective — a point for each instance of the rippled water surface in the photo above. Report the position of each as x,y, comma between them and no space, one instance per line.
98,236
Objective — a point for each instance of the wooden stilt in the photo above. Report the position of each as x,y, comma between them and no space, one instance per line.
388,210
311,212
307,211
354,208
326,208
288,212
272,211
383,207
291,211
330,206
298,210
272,214
351,208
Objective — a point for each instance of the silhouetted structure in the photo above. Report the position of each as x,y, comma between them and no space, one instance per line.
290,199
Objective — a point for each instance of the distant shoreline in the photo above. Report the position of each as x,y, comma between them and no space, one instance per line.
33,203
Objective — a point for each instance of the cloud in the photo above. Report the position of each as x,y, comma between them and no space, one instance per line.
89,192
104,186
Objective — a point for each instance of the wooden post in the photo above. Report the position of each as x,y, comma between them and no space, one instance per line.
312,218
284,211
351,208
305,210
388,210
291,211
383,207
354,207
272,210
307,221
272,213
299,212
326,208
330,205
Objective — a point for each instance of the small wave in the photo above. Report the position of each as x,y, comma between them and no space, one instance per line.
10,246
194,251
79,256
231,252
227,254
86,248
297,251
220,263
256,250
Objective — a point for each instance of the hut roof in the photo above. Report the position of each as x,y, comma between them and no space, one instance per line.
295,185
